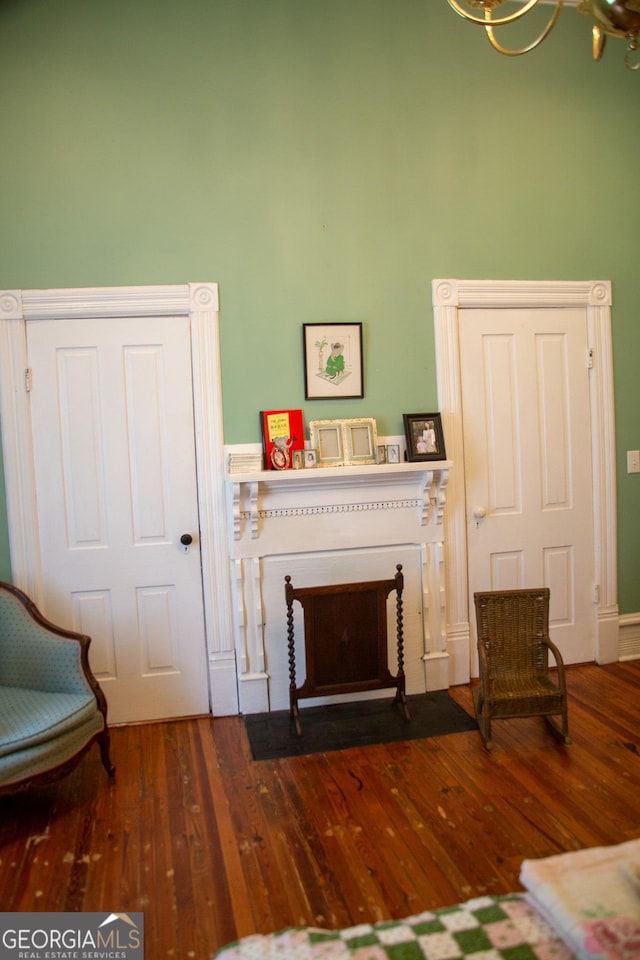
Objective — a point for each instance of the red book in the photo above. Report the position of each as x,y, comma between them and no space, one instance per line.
282,432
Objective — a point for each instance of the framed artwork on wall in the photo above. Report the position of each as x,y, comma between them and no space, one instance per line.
333,361
423,433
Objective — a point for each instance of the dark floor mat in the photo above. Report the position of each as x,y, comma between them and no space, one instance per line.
342,725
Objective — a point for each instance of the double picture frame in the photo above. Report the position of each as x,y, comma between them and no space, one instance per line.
340,443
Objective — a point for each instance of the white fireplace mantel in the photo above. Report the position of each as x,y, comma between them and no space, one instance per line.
332,525
321,489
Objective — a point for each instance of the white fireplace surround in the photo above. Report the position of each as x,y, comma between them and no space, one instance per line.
335,525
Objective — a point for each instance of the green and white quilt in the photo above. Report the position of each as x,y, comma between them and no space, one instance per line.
486,928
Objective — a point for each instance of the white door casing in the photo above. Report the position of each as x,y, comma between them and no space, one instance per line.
198,303
527,446
594,297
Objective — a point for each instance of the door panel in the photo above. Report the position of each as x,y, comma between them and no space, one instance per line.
526,426
112,415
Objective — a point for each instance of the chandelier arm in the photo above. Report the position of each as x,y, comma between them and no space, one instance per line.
599,42
535,43
511,18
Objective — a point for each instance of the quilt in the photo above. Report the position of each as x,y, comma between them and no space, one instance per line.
485,928
591,897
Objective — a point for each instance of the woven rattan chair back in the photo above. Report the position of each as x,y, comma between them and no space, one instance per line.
513,658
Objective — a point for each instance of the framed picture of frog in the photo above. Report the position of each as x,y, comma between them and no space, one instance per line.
333,362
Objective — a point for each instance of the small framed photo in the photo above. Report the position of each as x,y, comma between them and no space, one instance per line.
333,364
360,441
327,440
393,453
381,453
297,460
310,459
423,433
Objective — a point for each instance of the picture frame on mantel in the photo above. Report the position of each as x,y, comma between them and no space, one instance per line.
327,440
341,443
333,361
424,436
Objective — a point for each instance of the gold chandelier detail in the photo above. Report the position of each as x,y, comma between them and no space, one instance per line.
610,18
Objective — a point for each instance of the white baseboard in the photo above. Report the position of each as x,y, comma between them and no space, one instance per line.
629,636
458,643
436,670
223,684
254,693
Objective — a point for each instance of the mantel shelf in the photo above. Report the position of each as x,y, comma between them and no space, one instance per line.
256,495
338,476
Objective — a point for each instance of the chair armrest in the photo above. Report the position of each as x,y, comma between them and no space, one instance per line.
483,666
550,645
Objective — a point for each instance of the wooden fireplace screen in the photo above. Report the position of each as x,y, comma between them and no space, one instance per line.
345,640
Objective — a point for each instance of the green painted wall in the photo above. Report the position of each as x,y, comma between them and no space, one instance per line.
320,160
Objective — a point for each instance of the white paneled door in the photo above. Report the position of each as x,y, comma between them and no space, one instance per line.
115,473
527,451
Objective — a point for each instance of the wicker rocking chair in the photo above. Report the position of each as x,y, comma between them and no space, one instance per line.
513,651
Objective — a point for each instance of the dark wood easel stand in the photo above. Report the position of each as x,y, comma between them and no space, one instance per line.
345,636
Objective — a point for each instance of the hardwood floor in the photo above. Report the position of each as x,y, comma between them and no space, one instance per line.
213,846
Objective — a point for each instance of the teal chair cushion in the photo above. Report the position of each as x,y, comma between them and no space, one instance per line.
42,758
30,717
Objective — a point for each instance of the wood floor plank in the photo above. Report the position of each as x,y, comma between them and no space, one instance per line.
242,779
388,858
236,897
400,853
335,828
194,858
157,872
212,846
327,899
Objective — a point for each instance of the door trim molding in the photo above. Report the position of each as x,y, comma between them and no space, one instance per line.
199,302
448,297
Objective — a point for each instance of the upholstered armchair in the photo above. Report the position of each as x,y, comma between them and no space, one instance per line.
51,707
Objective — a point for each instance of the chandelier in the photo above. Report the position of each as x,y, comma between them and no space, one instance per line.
610,18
